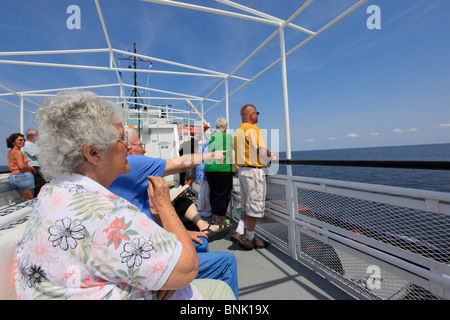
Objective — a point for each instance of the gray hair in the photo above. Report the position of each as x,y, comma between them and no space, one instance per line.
221,124
69,121
130,131
31,132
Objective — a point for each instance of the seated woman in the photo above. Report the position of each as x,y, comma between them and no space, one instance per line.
192,220
84,242
21,178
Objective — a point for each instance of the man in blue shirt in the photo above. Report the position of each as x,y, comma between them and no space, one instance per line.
140,168
133,187
31,150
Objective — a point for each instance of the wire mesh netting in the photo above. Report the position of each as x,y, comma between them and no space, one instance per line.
420,232
415,236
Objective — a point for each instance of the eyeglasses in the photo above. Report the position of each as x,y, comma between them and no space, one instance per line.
124,138
142,145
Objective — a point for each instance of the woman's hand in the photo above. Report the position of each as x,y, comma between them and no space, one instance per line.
158,191
186,268
195,235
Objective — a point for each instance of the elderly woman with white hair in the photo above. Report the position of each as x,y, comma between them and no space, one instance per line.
84,242
220,175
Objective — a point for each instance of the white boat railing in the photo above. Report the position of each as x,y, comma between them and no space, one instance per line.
375,242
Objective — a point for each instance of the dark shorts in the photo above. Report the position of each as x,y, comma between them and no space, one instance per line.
21,181
181,205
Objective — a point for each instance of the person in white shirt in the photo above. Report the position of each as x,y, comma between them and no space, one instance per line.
31,152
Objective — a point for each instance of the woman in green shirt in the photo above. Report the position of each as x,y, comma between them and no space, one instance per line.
220,176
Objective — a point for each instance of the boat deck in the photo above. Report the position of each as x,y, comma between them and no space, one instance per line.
269,274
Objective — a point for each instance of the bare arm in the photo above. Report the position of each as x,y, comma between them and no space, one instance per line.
267,155
188,161
195,235
186,268
20,158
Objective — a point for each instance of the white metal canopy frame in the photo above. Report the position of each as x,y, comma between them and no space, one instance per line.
222,79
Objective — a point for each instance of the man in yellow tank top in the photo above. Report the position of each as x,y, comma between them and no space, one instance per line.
251,156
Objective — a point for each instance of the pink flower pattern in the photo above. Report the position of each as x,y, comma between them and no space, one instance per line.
69,253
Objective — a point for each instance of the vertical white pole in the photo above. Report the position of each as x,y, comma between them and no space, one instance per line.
189,124
202,124
227,112
290,201
21,115
285,97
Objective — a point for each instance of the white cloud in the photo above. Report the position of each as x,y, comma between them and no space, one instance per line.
352,135
309,140
375,134
444,125
398,130
332,138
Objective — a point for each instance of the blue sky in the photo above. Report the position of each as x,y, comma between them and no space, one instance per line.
348,87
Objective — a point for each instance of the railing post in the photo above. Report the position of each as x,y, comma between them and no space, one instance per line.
289,186
22,130
227,112
202,125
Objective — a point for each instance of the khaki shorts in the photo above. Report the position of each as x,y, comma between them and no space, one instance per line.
252,183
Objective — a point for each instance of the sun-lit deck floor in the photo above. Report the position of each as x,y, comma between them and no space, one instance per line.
269,274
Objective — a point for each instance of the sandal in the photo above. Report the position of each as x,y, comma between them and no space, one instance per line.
221,233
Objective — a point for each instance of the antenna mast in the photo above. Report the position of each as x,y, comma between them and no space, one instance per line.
135,93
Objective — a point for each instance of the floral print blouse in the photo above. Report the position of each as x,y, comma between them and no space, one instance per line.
84,242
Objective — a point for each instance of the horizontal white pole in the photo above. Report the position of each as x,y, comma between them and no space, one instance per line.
216,11
75,66
186,96
18,95
265,15
15,106
137,55
27,53
221,74
26,93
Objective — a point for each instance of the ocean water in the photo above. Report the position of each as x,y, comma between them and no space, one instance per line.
435,180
